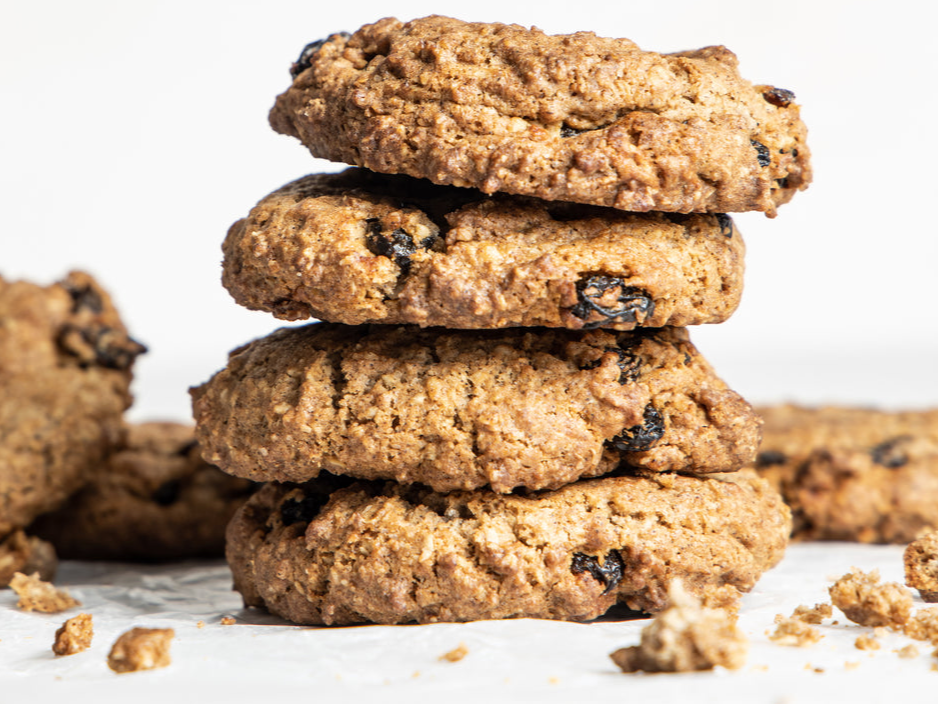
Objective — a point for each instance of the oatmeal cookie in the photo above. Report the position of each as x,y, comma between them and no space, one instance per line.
572,117
466,409
334,551
65,372
153,499
853,474
359,247
921,566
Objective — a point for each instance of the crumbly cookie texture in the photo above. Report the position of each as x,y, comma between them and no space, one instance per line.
853,474
921,566
74,635
461,410
867,601
336,552
141,649
65,371
571,117
27,554
36,595
794,631
154,499
360,247
923,625
686,637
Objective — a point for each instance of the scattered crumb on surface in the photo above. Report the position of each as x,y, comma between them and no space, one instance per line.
36,595
686,636
921,566
880,631
866,601
909,651
456,654
200,624
141,649
74,635
851,664
794,631
416,674
924,625
866,642
228,621
812,614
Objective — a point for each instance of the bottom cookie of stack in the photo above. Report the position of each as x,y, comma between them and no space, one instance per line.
338,551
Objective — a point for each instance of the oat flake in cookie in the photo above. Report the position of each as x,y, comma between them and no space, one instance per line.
454,409
384,553
571,117
856,474
360,247
65,372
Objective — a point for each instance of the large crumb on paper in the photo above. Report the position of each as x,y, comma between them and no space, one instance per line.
684,637
36,595
921,566
794,631
141,649
866,601
74,635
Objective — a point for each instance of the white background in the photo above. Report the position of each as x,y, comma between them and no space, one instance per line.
132,134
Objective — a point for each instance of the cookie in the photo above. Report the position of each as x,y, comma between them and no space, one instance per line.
454,409
382,552
570,117
153,499
27,554
65,372
359,247
920,560
853,474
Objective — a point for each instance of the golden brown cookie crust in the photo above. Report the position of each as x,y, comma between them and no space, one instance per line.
385,553
460,410
154,499
856,474
570,117
65,371
360,247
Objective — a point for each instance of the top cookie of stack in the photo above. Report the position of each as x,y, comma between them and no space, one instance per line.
570,117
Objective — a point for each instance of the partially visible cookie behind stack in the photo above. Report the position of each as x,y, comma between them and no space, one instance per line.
491,421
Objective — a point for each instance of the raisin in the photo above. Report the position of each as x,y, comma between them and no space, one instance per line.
309,51
782,182
609,572
641,437
303,510
889,454
726,224
397,245
570,131
763,155
84,298
779,97
167,493
610,299
769,458
102,345
629,364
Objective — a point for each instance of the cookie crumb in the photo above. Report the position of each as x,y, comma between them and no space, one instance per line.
794,631
27,554
141,649
864,600
200,624
228,621
74,635
686,636
812,614
866,642
37,595
921,566
907,652
456,654
923,625
851,664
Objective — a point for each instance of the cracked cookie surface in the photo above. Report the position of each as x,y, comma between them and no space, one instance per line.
360,247
464,409
572,117
855,474
153,499
337,552
65,372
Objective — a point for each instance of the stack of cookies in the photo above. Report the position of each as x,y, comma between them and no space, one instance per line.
502,414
